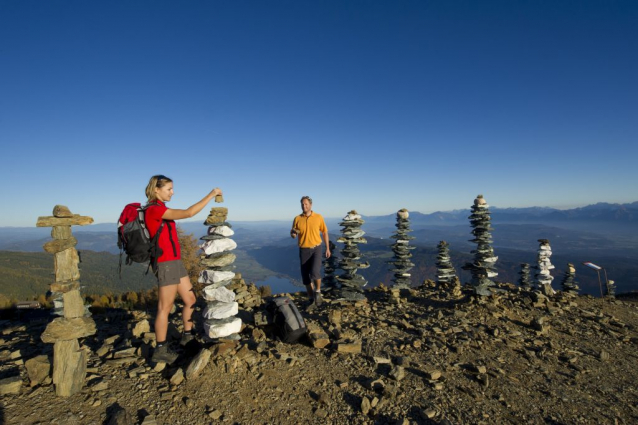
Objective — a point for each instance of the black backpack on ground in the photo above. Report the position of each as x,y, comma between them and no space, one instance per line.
288,323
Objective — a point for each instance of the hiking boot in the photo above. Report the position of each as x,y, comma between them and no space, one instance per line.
186,338
164,354
311,306
318,299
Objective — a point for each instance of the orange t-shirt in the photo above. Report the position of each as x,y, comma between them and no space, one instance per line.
308,229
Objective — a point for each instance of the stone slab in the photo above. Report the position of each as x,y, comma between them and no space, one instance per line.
221,328
65,264
69,367
76,220
220,310
197,365
73,304
65,286
62,329
58,245
222,294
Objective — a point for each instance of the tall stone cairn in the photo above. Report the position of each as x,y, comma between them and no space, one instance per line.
524,277
401,262
350,283
330,266
610,289
445,272
569,284
482,269
217,258
543,276
69,360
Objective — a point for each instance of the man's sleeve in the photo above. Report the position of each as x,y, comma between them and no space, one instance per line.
323,227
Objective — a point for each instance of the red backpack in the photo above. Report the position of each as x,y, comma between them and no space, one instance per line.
134,239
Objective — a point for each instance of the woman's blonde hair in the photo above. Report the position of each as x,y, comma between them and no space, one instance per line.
156,182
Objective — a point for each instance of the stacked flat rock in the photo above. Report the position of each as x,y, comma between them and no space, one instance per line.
69,360
222,306
401,248
482,269
523,280
544,265
610,289
445,272
330,266
569,284
350,283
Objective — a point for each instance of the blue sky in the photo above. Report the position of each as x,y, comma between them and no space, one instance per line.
371,105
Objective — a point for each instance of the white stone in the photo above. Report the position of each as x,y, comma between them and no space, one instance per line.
220,310
222,328
218,245
214,276
222,294
221,230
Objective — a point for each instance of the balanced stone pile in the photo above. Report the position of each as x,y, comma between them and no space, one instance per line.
610,289
247,296
351,284
445,273
330,265
523,280
544,265
482,269
569,284
218,260
401,248
69,360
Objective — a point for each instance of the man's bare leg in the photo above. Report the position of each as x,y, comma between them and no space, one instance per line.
317,294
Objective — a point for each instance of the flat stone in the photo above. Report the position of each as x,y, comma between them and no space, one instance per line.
222,294
11,385
197,365
64,287
63,329
58,245
178,377
141,327
76,220
214,276
226,259
319,339
349,347
433,374
223,327
217,215
220,310
38,369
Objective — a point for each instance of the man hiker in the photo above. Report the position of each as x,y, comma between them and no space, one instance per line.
306,227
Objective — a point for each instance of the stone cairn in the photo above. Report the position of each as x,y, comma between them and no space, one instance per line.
569,284
523,280
445,272
610,289
222,306
543,275
402,265
69,360
330,265
482,269
351,284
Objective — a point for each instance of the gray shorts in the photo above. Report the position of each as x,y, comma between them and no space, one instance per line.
170,272
310,259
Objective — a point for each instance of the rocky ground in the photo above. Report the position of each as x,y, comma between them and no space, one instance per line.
415,357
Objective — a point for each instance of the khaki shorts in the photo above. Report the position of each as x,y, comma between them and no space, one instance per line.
170,272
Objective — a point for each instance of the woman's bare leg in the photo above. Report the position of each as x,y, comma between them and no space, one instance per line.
166,298
188,297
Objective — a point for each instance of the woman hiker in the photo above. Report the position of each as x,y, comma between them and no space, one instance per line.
171,274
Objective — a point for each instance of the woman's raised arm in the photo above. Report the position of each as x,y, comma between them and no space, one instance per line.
175,214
